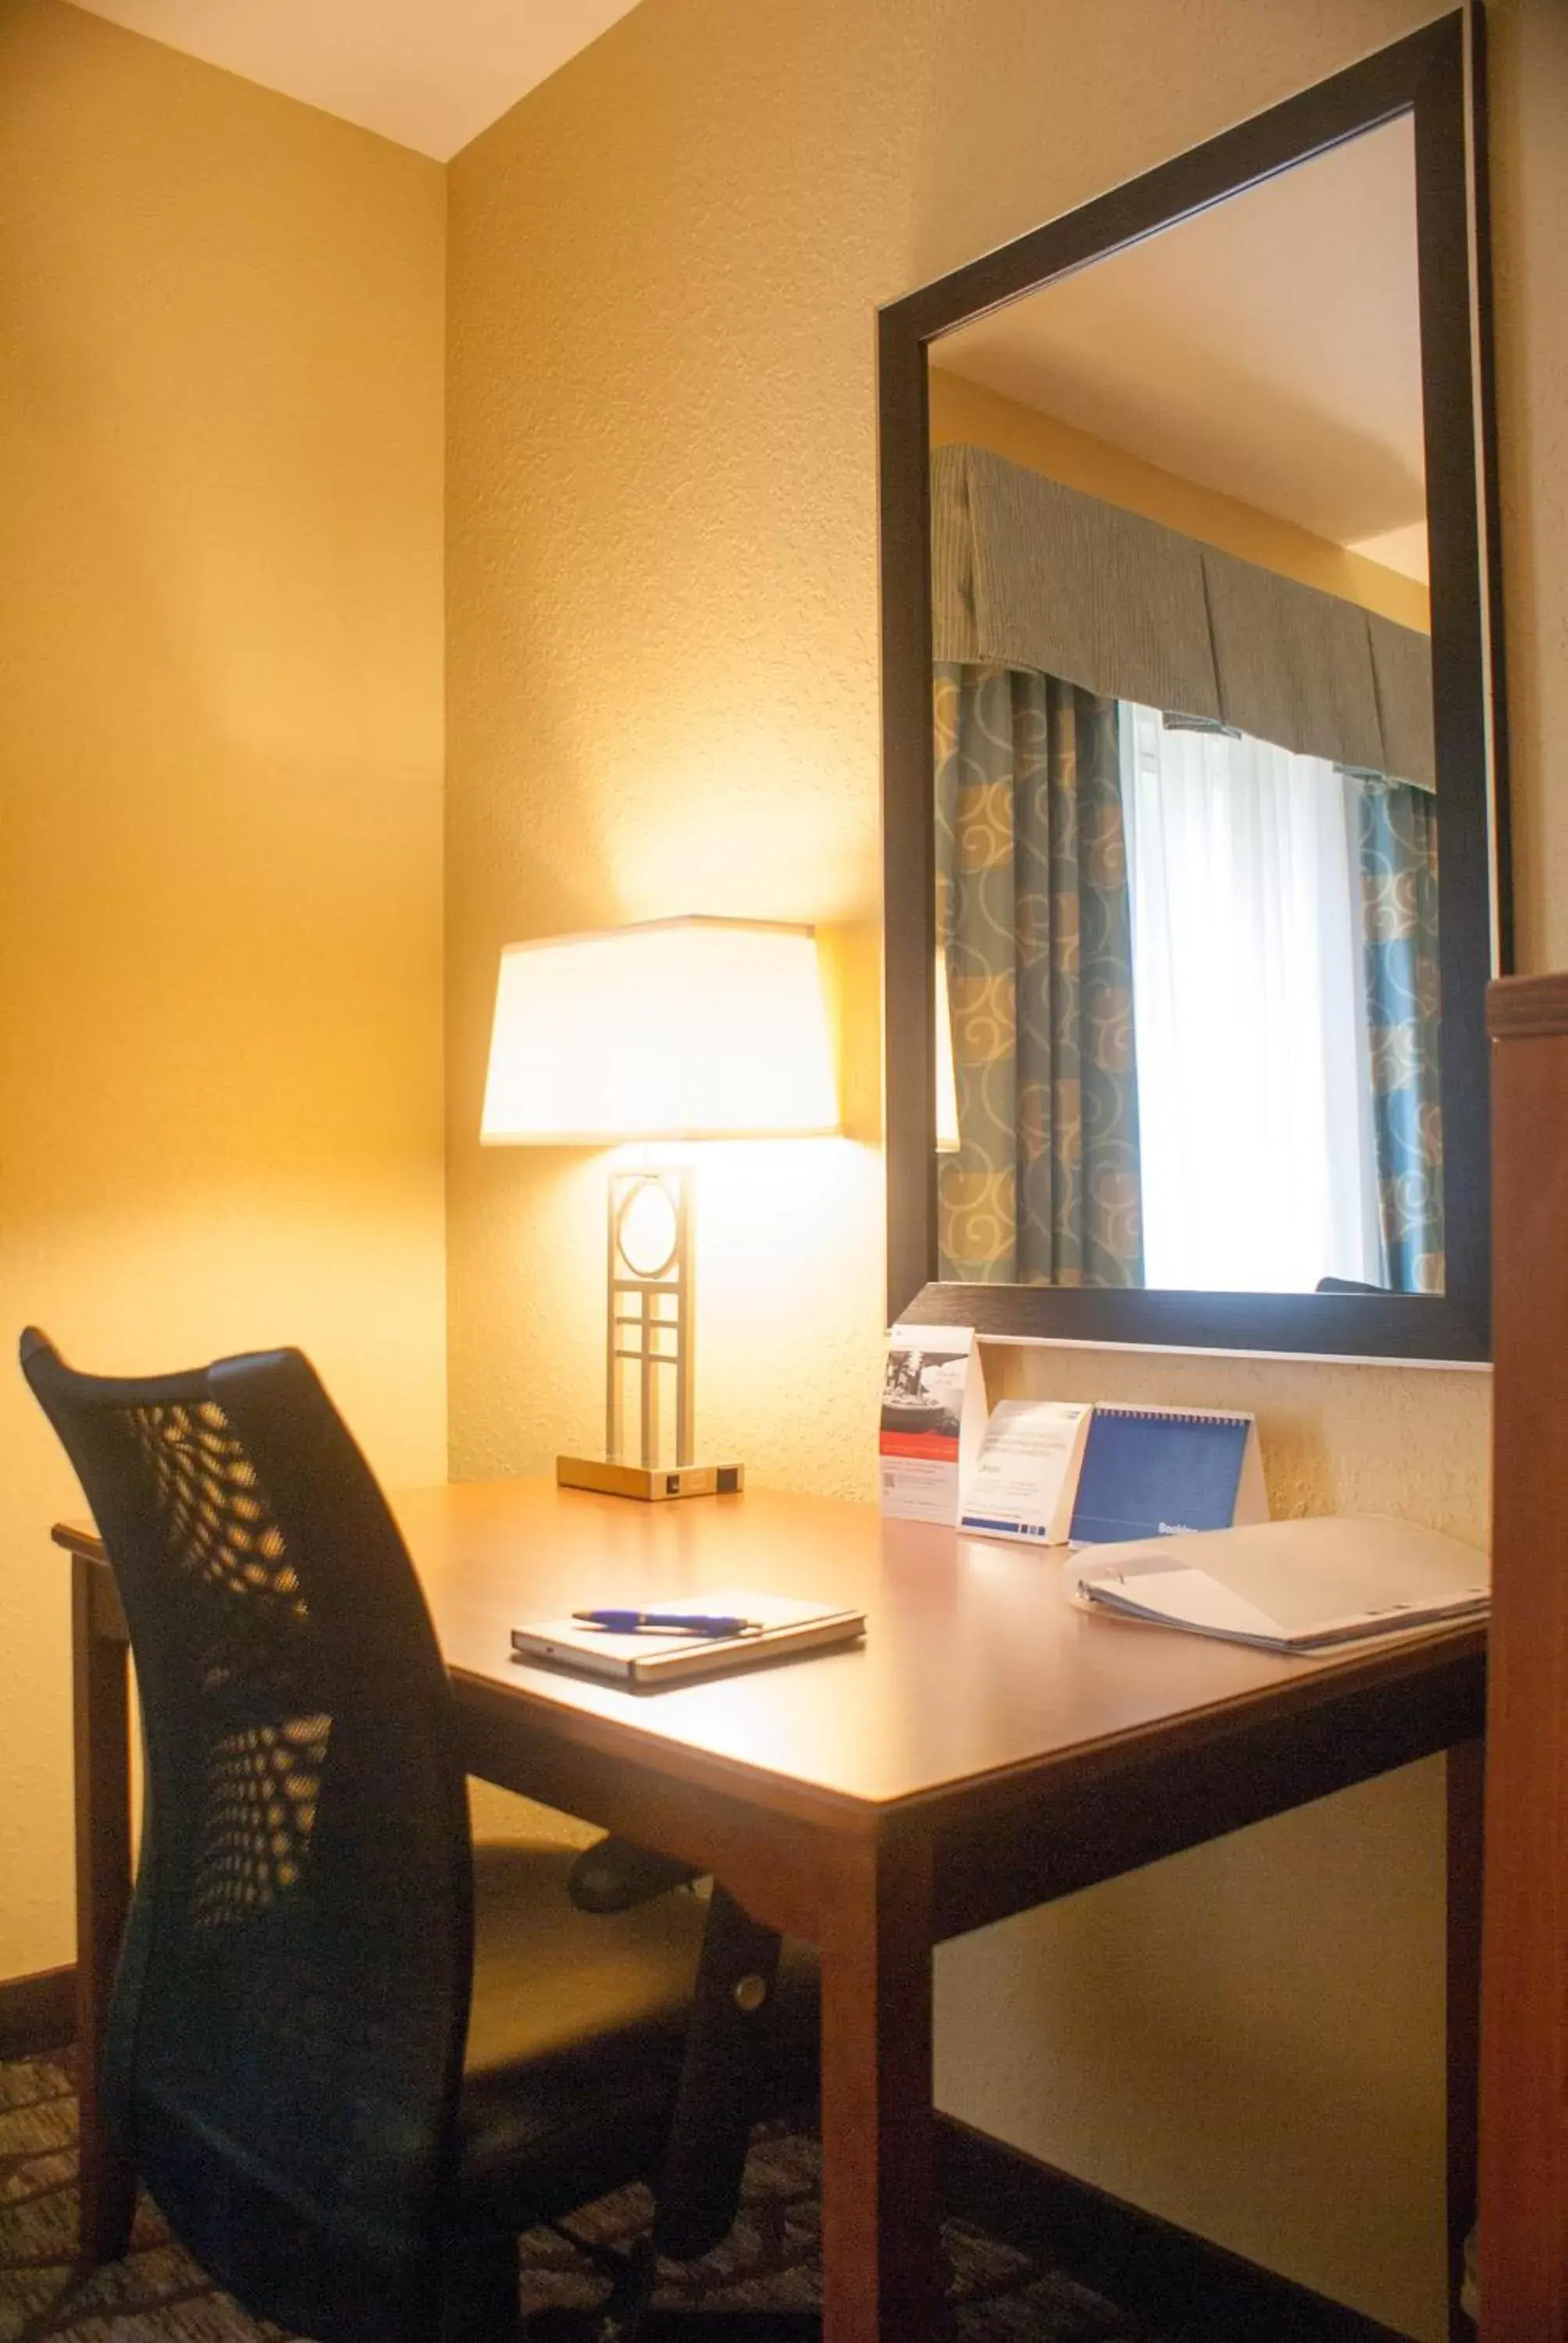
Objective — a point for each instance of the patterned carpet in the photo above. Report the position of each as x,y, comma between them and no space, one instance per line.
158,2294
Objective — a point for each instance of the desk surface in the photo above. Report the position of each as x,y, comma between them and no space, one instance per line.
989,1749
975,1665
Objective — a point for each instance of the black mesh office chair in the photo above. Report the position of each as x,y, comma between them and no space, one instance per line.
351,2056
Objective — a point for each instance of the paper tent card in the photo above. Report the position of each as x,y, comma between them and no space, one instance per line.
932,1421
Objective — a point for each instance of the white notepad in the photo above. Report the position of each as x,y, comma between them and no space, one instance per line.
787,1627
1289,1587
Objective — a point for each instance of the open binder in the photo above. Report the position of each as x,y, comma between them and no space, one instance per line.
1291,1586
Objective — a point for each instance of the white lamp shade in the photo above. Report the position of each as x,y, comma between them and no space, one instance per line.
680,1029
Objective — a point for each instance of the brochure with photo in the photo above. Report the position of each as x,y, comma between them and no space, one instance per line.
933,1413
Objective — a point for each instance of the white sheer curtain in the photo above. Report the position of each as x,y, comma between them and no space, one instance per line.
1254,1089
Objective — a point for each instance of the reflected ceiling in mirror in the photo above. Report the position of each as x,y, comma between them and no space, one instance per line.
1267,351
1183,791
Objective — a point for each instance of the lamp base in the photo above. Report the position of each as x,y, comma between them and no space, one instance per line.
612,1479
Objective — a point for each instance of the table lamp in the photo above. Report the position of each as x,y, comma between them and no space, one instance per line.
671,1031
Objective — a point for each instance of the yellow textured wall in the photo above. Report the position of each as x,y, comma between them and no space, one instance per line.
220,786
964,410
1529,76
663,698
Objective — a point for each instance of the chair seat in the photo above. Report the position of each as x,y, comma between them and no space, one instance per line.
575,2033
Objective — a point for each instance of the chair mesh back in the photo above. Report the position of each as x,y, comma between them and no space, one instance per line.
289,2014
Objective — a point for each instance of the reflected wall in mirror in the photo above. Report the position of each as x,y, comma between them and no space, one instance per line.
1199,1035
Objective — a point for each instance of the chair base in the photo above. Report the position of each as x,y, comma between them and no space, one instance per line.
684,2327
732,2326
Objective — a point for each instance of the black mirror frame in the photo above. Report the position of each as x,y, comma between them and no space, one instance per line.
1435,75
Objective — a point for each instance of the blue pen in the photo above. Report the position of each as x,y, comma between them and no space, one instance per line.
668,1623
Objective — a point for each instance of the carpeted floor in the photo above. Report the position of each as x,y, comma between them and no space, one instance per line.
158,2294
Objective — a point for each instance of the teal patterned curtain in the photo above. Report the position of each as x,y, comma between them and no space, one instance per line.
1033,916
1398,847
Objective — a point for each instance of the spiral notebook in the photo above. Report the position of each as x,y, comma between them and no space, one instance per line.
1160,1472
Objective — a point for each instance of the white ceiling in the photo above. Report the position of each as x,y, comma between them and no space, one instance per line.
431,74
1268,348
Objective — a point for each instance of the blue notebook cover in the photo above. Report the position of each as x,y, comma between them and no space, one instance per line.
1147,1475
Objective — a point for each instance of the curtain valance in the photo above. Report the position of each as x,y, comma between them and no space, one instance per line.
1029,574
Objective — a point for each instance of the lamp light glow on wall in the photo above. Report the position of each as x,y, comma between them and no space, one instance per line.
674,1030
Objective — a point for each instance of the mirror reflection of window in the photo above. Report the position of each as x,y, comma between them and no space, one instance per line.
1262,987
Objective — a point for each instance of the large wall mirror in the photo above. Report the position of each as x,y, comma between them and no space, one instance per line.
1193,805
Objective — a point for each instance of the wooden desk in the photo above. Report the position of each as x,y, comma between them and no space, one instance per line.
989,1749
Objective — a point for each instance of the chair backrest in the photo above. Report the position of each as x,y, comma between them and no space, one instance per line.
291,2011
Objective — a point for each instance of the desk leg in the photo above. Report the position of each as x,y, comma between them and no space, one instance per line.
101,1724
1466,1794
881,2246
